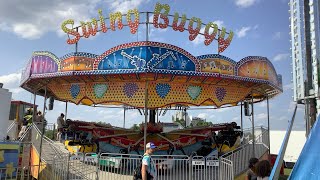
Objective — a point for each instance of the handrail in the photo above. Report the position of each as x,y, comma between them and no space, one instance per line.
25,133
240,147
277,165
50,142
11,126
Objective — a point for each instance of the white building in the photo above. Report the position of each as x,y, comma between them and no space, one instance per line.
305,47
183,115
196,120
5,101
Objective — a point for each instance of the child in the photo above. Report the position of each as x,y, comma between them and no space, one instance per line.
251,173
263,170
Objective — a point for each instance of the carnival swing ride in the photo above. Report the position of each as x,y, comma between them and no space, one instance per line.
152,76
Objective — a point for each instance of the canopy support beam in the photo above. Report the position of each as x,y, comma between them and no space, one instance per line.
268,123
43,128
241,116
145,116
66,111
124,117
252,120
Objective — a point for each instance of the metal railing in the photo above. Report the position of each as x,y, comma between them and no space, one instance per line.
226,171
24,173
241,156
13,124
62,165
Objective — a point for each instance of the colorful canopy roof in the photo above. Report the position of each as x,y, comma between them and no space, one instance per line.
171,75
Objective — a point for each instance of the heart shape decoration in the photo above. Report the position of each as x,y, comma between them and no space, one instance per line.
100,90
74,90
220,93
163,89
194,91
130,89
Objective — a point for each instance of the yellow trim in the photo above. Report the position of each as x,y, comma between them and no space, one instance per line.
9,146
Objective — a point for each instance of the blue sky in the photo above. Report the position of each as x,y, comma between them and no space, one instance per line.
261,29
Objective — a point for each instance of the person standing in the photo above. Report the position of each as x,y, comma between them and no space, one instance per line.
263,170
23,128
251,173
60,123
148,169
39,120
27,121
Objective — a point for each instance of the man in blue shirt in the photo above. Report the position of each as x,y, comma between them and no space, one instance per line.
148,169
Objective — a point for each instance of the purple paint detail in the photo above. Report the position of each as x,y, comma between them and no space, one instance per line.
130,89
220,93
43,64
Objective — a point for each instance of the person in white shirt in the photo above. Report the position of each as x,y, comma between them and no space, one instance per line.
148,169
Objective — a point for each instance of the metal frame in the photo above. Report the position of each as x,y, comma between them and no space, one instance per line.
43,127
252,120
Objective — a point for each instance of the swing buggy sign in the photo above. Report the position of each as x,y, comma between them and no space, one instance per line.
161,19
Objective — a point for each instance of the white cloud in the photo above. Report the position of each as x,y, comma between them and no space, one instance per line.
124,5
245,3
292,105
223,109
32,19
4,27
262,104
261,116
235,119
200,38
243,31
11,82
220,23
288,86
283,118
276,36
203,115
281,57
27,31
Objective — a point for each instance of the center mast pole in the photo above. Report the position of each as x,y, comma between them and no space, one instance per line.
146,93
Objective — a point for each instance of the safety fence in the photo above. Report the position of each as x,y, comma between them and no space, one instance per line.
241,156
59,164
122,167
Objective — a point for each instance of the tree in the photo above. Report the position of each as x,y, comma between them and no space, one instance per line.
204,124
182,122
50,134
103,123
135,127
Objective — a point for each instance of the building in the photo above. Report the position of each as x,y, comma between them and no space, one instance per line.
305,47
196,120
182,115
298,64
5,99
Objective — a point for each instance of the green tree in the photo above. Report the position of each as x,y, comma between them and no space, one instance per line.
50,134
182,122
204,124
103,123
135,127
